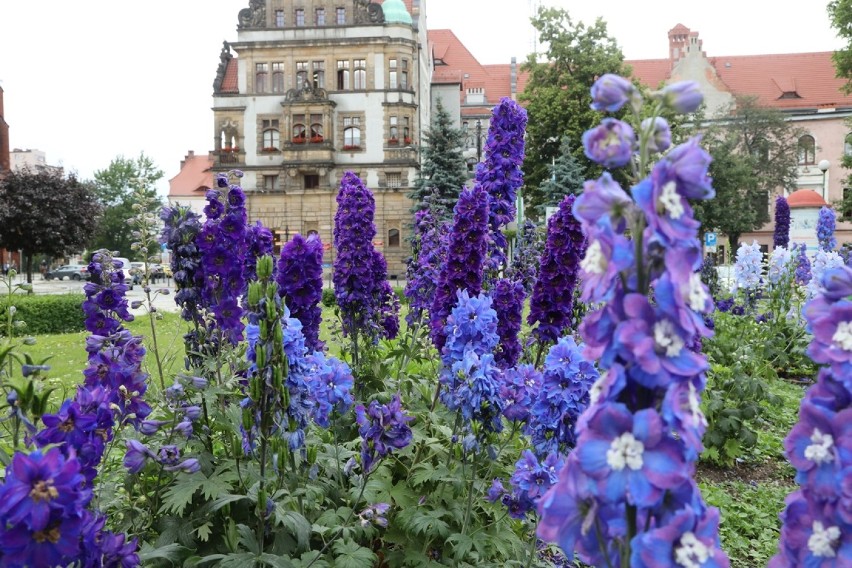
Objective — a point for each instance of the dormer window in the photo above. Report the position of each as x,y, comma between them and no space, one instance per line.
790,95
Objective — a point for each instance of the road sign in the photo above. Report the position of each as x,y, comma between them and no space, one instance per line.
710,241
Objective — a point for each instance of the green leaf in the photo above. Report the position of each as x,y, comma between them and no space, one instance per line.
204,531
275,561
298,525
171,552
461,545
349,554
180,494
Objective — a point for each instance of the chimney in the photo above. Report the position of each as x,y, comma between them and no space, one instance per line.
681,41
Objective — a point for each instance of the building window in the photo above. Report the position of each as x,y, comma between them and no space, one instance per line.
351,132
406,131
300,17
342,75
320,16
299,128
301,74
279,18
847,145
319,74
277,77
392,77
271,136
316,128
270,183
341,16
394,179
360,78
394,130
846,211
311,181
261,73
807,150
393,238
403,78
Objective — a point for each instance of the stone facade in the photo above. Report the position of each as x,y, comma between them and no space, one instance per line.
315,89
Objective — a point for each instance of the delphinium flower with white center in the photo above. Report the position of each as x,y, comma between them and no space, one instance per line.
748,269
821,262
817,520
625,496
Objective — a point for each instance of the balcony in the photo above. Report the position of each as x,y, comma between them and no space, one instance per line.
406,155
231,156
308,151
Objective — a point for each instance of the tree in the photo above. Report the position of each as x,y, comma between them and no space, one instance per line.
443,172
114,188
566,177
755,153
840,15
42,212
557,95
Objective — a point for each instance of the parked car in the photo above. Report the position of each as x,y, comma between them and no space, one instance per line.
70,271
126,267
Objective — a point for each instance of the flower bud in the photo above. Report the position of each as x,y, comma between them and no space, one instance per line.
254,293
264,267
683,96
610,92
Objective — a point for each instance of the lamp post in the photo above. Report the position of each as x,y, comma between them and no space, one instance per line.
823,167
478,140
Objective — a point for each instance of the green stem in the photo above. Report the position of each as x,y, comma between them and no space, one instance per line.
470,494
533,543
154,341
343,525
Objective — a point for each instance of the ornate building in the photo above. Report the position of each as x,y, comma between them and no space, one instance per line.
313,88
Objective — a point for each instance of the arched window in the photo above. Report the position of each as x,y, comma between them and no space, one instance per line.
847,145
807,150
360,74
393,238
351,132
394,129
316,128
271,136
299,128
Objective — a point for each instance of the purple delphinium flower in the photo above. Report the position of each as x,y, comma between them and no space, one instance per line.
358,273
383,428
629,475
528,249
684,96
661,134
224,242
299,280
500,173
803,265
610,144
259,241
817,516
425,264
551,305
781,236
508,301
462,269
43,499
825,229
610,92
530,481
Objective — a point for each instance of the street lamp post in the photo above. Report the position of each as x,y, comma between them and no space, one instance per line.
823,167
478,140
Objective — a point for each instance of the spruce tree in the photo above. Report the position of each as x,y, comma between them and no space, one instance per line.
443,171
566,178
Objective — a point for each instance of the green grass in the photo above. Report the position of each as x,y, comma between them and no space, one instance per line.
67,352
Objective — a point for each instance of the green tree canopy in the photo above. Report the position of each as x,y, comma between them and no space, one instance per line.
840,15
443,172
755,153
557,96
42,212
114,187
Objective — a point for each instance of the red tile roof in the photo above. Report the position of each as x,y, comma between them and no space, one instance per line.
195,176
230,83
805,198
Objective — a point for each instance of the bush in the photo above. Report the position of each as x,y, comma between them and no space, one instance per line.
328,299
54,313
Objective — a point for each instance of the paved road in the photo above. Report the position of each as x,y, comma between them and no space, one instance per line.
161,301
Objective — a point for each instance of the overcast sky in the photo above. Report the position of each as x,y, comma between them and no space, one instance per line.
87,80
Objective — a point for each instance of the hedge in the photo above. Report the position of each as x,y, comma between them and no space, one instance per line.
50,313
328,299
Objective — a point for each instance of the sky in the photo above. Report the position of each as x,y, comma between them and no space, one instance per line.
88,80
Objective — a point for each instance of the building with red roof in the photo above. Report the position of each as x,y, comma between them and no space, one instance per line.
190,185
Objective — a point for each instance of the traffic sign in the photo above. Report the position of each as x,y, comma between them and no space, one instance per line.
710,239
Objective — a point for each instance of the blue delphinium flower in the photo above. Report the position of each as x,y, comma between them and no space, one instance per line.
822,261
626,493
551,305
825,229
383,428
748,270
817,517
530,481
527,255
803,264
299,280
611,92
781,235
779,265
661,134
429,252
180,227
